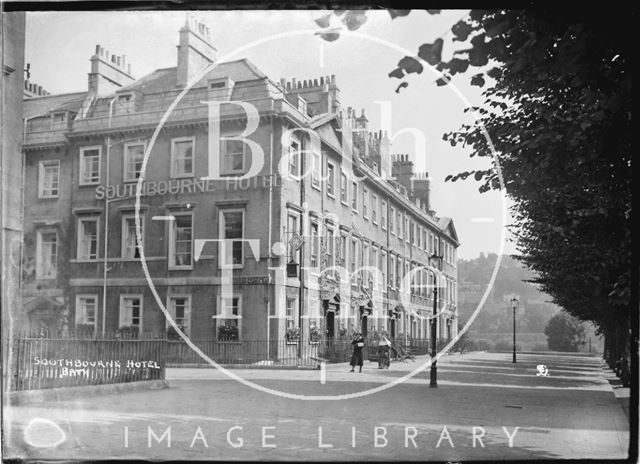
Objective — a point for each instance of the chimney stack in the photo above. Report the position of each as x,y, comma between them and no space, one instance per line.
422,189
402,170
107,74
195,50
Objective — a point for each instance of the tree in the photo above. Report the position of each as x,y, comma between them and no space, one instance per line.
556,125
564,333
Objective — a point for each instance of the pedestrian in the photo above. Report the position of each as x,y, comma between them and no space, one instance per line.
358,346
383,353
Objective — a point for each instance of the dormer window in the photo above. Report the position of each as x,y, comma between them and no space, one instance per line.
58,120
220,89
124,104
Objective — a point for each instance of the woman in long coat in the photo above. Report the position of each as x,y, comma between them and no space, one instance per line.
358,346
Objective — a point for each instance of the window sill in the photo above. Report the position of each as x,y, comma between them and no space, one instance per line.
344,203
292,342
88,184
330,195
231,266
233,173
180,268
181,176
316,186
49,197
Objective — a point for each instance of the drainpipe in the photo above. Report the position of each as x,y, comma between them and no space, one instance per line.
106,227
270,261
301,292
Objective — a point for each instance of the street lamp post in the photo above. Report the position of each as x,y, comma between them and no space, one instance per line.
433,382
514,305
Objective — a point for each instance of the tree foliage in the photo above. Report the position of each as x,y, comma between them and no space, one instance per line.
564,333
556,126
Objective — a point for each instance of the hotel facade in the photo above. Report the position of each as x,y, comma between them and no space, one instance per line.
261,208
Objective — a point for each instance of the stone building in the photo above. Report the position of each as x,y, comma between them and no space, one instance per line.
301,204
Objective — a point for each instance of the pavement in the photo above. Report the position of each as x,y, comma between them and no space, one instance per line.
485,408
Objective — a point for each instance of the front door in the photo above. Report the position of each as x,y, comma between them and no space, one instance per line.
392,328
330,325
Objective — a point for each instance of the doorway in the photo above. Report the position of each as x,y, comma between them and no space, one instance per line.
330,320
392,328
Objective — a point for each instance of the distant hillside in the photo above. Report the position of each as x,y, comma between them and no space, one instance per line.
534,306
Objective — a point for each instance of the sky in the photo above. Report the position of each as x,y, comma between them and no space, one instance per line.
59,45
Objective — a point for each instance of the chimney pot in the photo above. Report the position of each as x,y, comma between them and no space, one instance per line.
128,68
97,49
26,84
288,85
315,82
321,80
333,78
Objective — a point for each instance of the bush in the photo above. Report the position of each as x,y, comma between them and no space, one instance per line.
540,347
463,343
128,332
228,333
564,332
482,345
293,334
314,334
505,346
172,334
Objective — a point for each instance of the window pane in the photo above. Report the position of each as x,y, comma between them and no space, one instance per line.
88,239
131,249
182,231
233,231
134,156
183,157
90,165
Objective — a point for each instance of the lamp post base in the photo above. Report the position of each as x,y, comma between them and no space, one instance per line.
433,381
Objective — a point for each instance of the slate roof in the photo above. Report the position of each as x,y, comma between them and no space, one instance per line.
156,81
165,78
41,105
